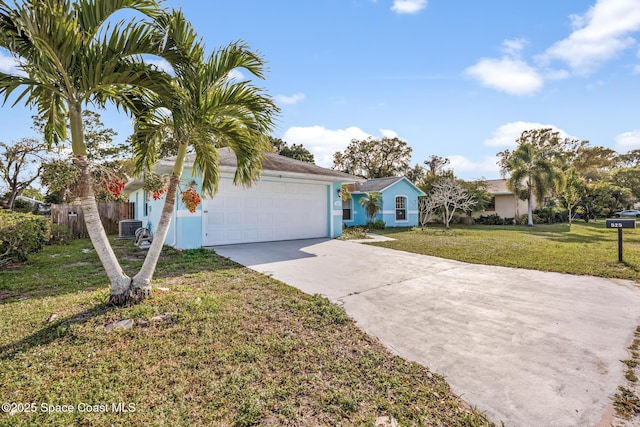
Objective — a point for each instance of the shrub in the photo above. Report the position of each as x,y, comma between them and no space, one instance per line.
493,219
21,234
354,233
378,225
552,214
60,234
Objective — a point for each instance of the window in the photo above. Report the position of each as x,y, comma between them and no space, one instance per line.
346,210
145,197
401,208
492,205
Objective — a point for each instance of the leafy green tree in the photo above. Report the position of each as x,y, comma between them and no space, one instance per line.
372,203
109,164
628,178
374,158
20,165
478,191
574,191
70,55
295,151
602,199
630,159
208,110
416,174
533,167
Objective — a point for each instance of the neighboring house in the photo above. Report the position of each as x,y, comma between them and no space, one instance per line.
504,202
291,200
42,206
399,202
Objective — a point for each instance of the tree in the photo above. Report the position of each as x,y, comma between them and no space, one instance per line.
416,174
21,165
627,178
109,164
533,168
69,56
630,159
207,110
434,172
574,191
447,196
372,203
295,151
374,158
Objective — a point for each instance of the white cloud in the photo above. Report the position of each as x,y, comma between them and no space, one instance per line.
408,6
598,36
506,135
513,47
323,142
510,75
290,100
235,74
556,74
474,169
161,64
8,64
628,140
388,133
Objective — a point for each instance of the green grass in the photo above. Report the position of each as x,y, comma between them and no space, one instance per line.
582,249
215,345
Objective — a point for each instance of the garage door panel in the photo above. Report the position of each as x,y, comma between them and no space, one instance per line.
267,211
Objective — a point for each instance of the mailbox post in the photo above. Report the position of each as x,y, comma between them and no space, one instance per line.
619,224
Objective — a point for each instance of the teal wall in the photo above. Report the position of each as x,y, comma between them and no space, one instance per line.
335,210
388,211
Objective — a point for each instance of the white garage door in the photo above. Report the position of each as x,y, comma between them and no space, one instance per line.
267,211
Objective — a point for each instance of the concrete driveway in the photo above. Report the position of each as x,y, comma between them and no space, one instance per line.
525,347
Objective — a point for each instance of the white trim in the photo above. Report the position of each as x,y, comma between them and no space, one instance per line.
184,213
351,208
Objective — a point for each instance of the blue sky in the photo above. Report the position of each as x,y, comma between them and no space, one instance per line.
458,79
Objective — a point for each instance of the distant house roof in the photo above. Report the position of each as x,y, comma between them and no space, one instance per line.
272,164
498,187
377,184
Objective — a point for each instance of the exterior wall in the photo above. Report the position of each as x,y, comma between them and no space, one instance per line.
186,228
335,210
388,211
507,206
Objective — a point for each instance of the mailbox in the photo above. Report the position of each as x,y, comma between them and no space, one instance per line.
621,223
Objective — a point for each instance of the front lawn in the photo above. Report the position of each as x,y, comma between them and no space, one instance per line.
585,248
216,345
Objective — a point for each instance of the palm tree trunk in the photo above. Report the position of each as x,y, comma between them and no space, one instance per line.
141,284
120,282
529,210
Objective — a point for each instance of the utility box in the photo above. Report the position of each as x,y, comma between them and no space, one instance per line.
128,227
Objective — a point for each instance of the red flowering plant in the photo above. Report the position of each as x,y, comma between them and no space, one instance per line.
191,198
155,185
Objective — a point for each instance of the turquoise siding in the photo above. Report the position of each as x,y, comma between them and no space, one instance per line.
388,211
335,211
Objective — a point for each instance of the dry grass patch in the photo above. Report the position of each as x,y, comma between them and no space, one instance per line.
218,345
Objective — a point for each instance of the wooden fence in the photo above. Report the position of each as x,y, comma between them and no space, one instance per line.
72,216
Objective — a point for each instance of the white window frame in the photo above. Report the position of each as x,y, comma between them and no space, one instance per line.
350,209
405,208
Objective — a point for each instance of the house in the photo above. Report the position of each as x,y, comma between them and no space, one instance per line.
291,200
504,202
399,202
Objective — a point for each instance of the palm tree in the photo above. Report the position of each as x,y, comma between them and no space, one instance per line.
372,203
69,56
533,172
209,110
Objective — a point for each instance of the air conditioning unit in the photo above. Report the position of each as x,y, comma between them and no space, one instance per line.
128,227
